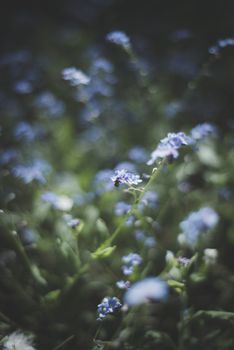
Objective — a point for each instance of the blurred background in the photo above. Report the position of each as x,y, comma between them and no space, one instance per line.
60,143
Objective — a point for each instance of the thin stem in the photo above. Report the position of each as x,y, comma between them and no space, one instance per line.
115,234
64,342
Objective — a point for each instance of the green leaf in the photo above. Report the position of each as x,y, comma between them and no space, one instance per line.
103,252
52,295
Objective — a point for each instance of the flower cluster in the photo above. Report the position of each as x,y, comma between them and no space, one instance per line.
119,38
18,341
108,306
123,284
149,199
121,208
124,177
35,171
201,131
60,202
169,146
75,76
214,50
197,223
130,261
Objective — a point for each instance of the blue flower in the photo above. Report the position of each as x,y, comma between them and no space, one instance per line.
108,306
130,261
149,289
8,156
130,167
183,260
71,222
122,208
201,131
75,76
102,181
169,146
119,38
149,199
222,43
25,131
35,171
148,241
49,104
124,177
138,154
196,224
123,284
60,202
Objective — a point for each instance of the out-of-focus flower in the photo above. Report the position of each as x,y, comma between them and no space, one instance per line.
35,171
119,38
8,156
148,241
222,43
127,166
124,177
148,289
210,256
201,131
60,202
130,261
102,181
75,76
23,87
49,104
70,221
108,306
196,224
169,146
138,154
18,341
123,284
149,199
183,260
121,208
24,131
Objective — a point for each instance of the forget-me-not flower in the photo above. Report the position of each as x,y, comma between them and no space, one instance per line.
18,341
75,76
148,289
130,261
197,223
60,202
169,146
119,38
203,130
124,177
108,306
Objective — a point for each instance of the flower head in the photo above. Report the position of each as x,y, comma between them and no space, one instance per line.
108,306
121,208
201,131
119,38
75,76
60,202
123,284
18,341
148,289
124,177
35,171
169,146
197,223
130,261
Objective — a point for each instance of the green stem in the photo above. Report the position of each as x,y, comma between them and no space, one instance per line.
115,234
63,343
